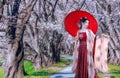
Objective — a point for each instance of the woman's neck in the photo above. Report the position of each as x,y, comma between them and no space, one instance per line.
83,29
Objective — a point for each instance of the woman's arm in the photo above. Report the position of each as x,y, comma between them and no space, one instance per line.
91,37
76,42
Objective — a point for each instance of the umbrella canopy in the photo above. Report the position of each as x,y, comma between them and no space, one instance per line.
73,18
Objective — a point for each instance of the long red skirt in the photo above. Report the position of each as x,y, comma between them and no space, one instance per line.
82,66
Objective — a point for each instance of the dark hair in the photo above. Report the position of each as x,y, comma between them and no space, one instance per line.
83,19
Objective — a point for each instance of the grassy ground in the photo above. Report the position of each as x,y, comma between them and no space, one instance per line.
114,71
1,73
46,72
43,73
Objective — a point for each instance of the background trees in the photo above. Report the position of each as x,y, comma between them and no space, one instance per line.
35,28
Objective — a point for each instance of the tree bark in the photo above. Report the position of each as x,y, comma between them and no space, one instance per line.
13,66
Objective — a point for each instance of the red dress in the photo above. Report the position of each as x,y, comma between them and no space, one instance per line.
82,65
82,71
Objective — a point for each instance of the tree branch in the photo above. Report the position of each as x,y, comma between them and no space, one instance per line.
1,8
81,5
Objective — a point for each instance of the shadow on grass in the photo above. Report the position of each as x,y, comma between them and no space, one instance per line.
47,73
112,76
115,72
42,73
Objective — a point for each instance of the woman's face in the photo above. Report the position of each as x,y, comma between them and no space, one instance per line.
85,24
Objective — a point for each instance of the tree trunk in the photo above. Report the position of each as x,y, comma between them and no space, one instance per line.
55,46
13,66
45,51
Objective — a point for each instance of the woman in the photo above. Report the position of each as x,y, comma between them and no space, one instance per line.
83,64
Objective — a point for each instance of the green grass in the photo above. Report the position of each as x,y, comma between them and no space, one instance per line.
1,73
45,72
28,67
114,71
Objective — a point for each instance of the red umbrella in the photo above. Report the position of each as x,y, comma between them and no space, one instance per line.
73,18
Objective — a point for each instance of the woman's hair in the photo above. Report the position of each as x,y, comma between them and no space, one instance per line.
83,19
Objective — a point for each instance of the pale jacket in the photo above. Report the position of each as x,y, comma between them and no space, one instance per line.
101,50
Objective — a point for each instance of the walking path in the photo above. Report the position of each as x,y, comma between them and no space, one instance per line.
66,73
